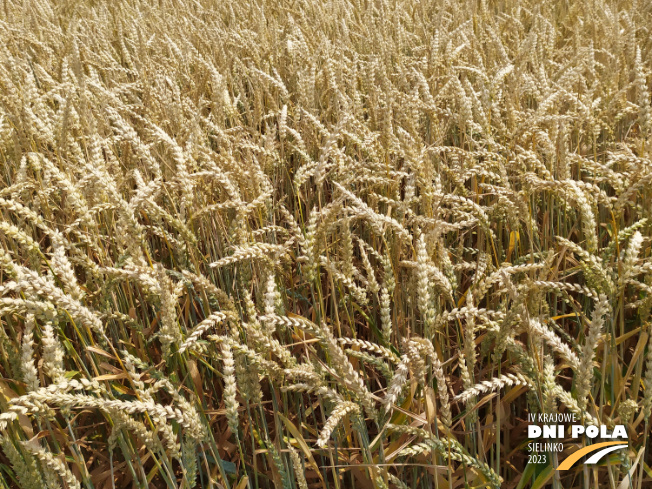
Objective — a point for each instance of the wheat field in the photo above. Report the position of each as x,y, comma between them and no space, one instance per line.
322,243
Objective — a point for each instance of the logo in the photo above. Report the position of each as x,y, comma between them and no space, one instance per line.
558,429
602,449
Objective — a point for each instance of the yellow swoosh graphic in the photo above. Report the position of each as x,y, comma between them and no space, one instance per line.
575,456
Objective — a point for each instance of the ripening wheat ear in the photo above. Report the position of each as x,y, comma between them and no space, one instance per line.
30,373
376,220
53,354
19,236
442,390
272,298
397,383
371,276
426,308
647,399
338,413
584,374
505,380
631,256
64,270
50,462
200,329
549,385
555,343
25,466
386,315
169,332
298,469
250,252
230,388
